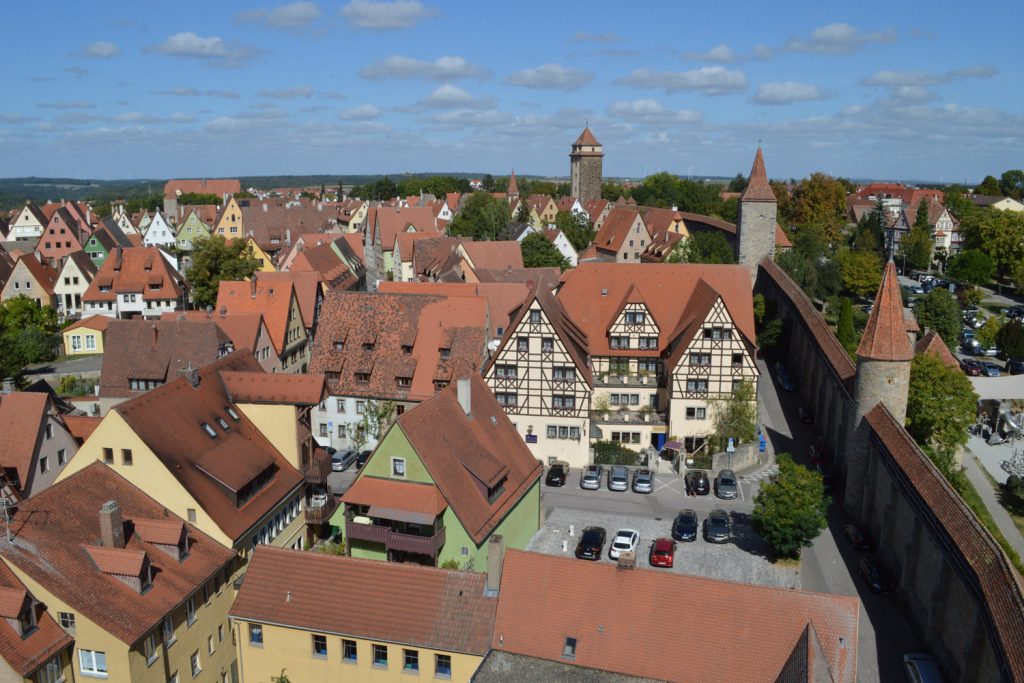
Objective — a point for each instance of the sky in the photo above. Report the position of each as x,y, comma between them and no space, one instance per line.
156,89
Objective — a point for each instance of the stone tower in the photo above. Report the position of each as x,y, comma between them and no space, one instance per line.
883,376
585,167
513,186
755,223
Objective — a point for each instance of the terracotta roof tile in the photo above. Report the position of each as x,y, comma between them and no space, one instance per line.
243,329
213,186
119,561
11,601
586,138
21,420
164,531
262,387
391,221
81,426
43,273
25,654
271,298
138,270
545,599
494,254
885,335
306,286
425,499
758,189
617,227
931,343
420,606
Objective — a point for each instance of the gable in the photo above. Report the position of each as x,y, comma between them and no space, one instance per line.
395,444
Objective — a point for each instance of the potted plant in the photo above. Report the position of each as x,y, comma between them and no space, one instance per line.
601,406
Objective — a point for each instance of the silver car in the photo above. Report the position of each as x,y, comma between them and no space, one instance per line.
618,478
643,481
591,478
725,485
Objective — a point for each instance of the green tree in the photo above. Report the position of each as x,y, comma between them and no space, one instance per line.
971,267
666,190
1010,340
377,417
577,228
488,182
784,202
989,331
523,212
482,217
938,310
703,247
28,334
734,416
1011,183
1000,234
612,191
198,198
844,329
738,184
916,248
244,194
280,678
989,186
860,271
213,260
921,219
790,510
769,336
941,405
820,200
539,253
760,308
76,385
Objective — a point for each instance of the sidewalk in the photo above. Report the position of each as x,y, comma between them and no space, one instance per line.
988,496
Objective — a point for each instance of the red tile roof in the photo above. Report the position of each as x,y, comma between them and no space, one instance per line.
758,189
459,450
242,328
42,273
545,599
262,387
22,414
306,285
425,499
138,270
53,528
25,654
81,427
696,219
93,322
885,335
503,298
391,221
11,601
439,609
586,138
166,531
617,226
271,298
494,255
931,343
119,561
218,187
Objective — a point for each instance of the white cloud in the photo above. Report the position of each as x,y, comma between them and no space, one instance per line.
838,39
139,117
449,96
386,15
719,53
585,37
550,76
893,79
212,50
786,92
362,112
441,69
292,16
77,71
912,93
287,93
710,80
651,112
100,50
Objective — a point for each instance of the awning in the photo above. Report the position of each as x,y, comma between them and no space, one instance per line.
390,497
678,445
409,516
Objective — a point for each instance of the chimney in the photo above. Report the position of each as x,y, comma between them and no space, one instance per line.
8,385
264,207
463,392
288,236
111,525
252,288
495,560
191,374
156,336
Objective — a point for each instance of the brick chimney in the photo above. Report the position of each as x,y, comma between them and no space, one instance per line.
191,374
463,392
495,560
111,525
156,336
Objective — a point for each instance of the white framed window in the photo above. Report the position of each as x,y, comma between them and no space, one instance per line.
76,342
398,467
190,611
90,342
149,649
195,664
92,663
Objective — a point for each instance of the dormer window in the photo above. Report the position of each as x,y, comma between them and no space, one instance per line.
332,376
403,382
27,618
406,349
444,352
635,317
233,413
362,377
367,346
210,431
339,345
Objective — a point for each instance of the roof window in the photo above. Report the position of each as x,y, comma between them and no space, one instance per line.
223,424
210,431
234,415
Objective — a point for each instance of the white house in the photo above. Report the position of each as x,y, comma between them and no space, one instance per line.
74,278
28,225
159,233
557,238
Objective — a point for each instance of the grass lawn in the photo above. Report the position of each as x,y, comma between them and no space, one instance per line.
973,500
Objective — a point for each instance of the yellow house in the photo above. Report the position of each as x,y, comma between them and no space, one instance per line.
229,222
143,594
85,336
265,260
389,623
34,649
203,458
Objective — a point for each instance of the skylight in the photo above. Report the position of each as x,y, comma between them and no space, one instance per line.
210,431
223,424
233,414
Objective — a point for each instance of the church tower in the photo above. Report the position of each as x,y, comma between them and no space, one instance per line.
883,376
755,224
585,167
513,187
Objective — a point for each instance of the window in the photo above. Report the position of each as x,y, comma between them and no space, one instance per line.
561,401
220,627
648,342
700,359
348,651
196,665
547,345
696,413
367,346
92,663
696,385
319,646
506,371
190,611
339,346
210,431
67,620
360,407
108,456
737,360
444,352
256,635
76,342
191,515
412,660
339,405
397,467
126,456
619,342
49,430
403,382
149,648
52,671
90,342
635,317
563,432
380,655
534,316
362,378
323,430
507,399
563,372
443,666
569,650
522,344
552,432
168,629
44,464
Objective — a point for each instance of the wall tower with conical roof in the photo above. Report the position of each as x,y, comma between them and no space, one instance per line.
585,167
755,222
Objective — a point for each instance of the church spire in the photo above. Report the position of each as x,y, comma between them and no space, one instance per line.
885,336
758,189
513,186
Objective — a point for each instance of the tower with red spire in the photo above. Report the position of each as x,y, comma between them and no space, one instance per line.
513,186
755,223
586,160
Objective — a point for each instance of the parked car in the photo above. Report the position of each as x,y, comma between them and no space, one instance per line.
971,367
684,526
591,479
989,351
806,415
362,458
663,552
1015,367
717,527
618,478
591,543
338,460
921,668
643,481
783,377
697,483
991,369
726,486
858,539
556,475
625,541
876,576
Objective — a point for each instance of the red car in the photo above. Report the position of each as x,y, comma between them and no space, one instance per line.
663,552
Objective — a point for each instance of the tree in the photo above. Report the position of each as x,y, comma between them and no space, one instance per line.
377,417
198,198
921,219
213,260
941,405
734,416
1011,183
666,190
1000,234
860,271
916,248
482,217
790,510
28,334
738,184
821,200
989,186
989,331
784,203
703,247
488,182
1010,339
539,253
577,228
612,191
971,267
938,310
523,212
844,329
280,678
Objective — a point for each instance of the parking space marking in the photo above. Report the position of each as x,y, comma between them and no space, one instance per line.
668,485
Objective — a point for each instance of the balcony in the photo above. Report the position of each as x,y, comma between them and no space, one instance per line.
314,463
395,540
320,507
636,417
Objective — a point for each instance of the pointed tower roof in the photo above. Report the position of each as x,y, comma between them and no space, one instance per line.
586,138
513,186
758,189
885,336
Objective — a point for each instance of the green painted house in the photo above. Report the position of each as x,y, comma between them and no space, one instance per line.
107,237
191,229
448,475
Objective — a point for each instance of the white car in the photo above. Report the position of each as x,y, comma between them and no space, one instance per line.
625,541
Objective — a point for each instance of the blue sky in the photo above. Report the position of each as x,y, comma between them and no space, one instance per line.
159,89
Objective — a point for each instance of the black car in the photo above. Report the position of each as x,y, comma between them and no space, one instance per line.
362,458
1015,367
876,576
717,528
858,539
684,527
556,476
591,543
697,483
